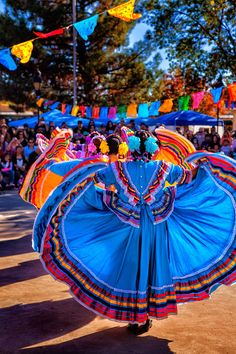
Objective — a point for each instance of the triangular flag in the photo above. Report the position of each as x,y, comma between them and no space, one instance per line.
40,102
23,51
7,60
75,111
86,27
125,11
50,34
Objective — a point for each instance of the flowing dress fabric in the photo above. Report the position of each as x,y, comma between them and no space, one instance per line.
126,255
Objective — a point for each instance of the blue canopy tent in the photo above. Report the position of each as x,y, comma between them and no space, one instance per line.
181,118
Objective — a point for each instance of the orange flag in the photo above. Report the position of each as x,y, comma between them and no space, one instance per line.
40,102
23,51
125,11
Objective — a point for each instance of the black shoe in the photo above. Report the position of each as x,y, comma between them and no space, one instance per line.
132,328
136,329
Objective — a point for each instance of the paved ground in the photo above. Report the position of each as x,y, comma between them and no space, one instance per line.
39,316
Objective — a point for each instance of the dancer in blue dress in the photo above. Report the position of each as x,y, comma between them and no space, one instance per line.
161,238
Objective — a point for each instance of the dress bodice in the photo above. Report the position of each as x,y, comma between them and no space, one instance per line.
140,183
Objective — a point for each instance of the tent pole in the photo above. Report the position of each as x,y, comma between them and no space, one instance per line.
218,116
74,54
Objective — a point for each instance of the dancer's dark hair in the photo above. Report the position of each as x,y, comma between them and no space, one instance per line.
113,142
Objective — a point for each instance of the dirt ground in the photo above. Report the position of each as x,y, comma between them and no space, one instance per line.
38,314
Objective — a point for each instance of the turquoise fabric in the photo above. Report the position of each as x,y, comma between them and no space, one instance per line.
7,60
143,110
86,27
196,238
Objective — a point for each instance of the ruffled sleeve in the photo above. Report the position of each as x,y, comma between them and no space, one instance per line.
105,176
179,175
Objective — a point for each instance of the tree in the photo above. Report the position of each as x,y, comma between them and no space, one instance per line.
199,33
108,70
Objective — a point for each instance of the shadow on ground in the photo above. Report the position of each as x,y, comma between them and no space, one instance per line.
16,246
112,341
25,325
22,272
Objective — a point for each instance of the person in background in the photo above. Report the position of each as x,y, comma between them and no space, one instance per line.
200,135
11,148
19,163
226,136
80,128
207,143
21,137
234,145
33,157
29,148
4,130
102,130
3,145
226,148
7,171
196,143
110,128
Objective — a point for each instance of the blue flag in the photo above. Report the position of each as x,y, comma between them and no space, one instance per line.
86,27
7,60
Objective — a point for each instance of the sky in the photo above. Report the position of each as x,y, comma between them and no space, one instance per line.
137,34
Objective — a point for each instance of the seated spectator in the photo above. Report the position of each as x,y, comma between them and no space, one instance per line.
79,130
110,127
207,143
3,145
19,163
4,130
7,171
216,148
226,148
216,139
226,136
234,145
11,148
143,126
196,143
21,137
33,157
29,148
41,127
102,130
200,135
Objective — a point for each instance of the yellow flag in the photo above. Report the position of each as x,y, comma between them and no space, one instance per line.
23,51
74,111
125,11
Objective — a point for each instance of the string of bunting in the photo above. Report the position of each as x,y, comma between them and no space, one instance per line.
221,97
85,28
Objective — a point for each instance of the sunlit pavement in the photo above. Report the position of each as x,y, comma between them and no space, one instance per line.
38,314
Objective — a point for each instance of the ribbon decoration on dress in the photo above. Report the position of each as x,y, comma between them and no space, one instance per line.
23,51
125,11
86,27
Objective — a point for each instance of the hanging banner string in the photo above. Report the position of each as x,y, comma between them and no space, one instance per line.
84,27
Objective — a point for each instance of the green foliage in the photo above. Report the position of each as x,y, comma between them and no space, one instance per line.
196,33
108,70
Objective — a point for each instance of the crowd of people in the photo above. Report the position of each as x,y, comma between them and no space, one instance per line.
18,146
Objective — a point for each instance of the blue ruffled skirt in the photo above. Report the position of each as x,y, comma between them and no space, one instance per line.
126,273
